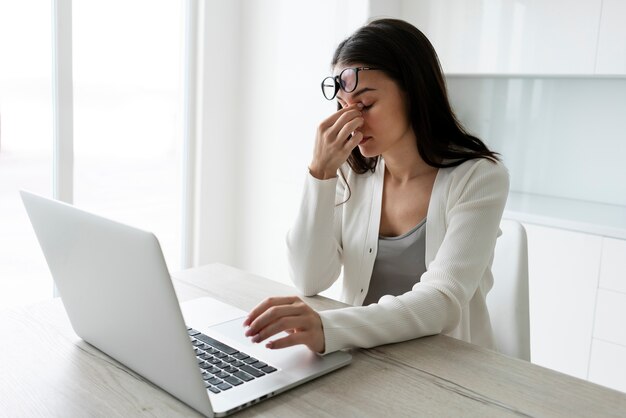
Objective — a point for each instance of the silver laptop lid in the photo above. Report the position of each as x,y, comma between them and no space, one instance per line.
103,270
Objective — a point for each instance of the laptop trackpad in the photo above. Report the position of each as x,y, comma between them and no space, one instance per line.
205,312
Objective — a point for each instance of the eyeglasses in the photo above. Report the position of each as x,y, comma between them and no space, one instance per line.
347,80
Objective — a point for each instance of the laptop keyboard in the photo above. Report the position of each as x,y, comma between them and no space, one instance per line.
222,366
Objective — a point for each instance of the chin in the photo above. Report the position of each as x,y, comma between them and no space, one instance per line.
368,153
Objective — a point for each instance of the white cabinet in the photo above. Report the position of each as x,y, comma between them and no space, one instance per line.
612,39
613,272
536,37
607,365
520,37
610,322
577,285
563,279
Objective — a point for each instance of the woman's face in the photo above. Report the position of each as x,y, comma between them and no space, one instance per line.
386,124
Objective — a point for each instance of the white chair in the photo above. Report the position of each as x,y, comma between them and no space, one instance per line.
508,299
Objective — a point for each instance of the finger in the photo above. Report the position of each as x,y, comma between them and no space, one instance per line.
354,141
282,324
266,304
273,314
288,341
343,120
330,121
348,128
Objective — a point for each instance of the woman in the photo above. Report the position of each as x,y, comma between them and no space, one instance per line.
400,197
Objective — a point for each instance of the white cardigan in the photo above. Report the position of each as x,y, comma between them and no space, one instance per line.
464,215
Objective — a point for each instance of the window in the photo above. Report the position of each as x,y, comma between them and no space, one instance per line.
127,120
25,145
127,125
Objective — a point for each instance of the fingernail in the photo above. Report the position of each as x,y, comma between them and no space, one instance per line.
269,345
256,338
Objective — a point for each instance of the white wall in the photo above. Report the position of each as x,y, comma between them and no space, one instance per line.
265,65
219,130
287,48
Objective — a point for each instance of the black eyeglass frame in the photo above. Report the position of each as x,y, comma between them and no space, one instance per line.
336,80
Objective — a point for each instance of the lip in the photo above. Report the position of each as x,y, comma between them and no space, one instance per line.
364,140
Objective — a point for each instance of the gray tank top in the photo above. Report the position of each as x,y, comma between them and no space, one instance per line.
399,264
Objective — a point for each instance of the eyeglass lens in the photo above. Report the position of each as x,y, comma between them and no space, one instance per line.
347,80
329,87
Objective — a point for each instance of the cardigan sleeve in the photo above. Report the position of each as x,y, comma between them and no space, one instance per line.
314,242
473,212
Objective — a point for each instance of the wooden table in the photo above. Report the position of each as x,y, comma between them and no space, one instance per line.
46,370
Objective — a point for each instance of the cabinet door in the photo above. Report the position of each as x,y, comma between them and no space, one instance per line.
608,351
511,37
608,365
563,279
613,268
612,39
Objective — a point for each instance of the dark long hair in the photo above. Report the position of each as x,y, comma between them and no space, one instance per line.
403,52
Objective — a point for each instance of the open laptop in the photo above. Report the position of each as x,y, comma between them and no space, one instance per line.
119,297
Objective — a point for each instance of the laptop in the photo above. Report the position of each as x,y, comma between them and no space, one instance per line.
119,297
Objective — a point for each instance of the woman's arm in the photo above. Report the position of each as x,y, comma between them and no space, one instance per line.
434,305
314,242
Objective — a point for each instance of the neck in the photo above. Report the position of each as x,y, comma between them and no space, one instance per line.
403,163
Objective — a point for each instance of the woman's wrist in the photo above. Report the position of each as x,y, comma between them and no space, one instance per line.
321,174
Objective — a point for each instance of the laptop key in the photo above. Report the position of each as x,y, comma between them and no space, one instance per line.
192,332
220,355
231,369
221,375
224,386
233,380
250,360
238,363
251,370
229,360
258,365
268,369
214,389
214,381
240,356
243,376
220,346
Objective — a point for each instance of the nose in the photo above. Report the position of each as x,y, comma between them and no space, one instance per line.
351,102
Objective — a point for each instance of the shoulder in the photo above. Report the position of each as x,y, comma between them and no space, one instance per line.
478,176
476,170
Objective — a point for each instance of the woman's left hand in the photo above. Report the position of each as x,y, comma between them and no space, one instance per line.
290,314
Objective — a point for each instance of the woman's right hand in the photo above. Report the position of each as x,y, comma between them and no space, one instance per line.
333,143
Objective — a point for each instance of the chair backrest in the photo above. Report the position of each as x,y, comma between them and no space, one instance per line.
508,299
